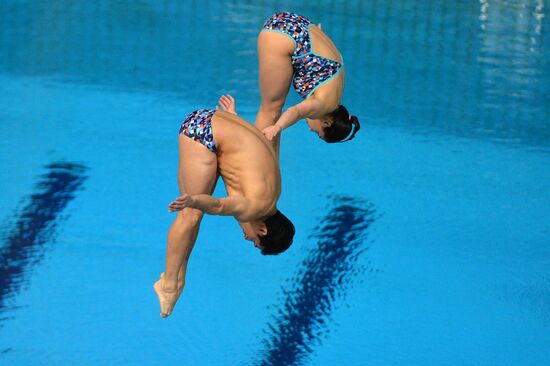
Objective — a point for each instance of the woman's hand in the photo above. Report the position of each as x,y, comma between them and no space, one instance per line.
227,104
185,200
271,131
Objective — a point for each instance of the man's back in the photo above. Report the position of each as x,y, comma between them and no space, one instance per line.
246,161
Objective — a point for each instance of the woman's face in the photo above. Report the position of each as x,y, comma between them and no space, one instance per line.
317,126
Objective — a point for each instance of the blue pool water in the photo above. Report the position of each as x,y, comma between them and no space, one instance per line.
425,241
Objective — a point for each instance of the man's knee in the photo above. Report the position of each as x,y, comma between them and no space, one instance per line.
188,218
192,216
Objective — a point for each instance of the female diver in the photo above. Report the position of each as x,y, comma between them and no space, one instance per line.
291,49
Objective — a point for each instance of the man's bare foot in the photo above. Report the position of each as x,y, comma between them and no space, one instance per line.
227,104
167,298
180,282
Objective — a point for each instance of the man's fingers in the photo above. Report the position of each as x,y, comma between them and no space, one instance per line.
179,202
224,102
173,208
227,99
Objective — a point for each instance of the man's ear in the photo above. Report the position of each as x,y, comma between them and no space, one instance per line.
325,122
262,229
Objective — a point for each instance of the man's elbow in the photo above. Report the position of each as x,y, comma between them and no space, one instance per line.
231,208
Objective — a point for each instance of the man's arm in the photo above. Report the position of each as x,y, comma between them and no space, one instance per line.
227,104
228,206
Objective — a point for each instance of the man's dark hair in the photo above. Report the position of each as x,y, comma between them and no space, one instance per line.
280,233
343,127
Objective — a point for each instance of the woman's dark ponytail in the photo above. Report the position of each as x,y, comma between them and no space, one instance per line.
356,126
343,126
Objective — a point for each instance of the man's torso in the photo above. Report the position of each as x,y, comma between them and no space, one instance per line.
246,161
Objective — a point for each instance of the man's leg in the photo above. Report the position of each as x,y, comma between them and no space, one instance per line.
197,173
274,56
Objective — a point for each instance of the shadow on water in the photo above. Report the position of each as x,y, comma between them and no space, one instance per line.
25,243
322,278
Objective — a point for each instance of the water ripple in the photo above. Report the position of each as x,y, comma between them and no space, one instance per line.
26,243
322,278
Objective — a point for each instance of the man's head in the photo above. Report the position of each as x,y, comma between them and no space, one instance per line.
274,235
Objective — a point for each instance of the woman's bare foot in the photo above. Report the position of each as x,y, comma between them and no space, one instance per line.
227,104
167,298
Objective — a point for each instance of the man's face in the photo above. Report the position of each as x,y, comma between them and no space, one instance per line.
253,230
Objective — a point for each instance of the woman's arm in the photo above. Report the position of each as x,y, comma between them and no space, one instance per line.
309,108
228,206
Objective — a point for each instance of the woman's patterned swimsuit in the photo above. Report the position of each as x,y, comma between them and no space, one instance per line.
198,126
310,70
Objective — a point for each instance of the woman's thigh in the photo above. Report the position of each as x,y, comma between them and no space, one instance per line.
275,59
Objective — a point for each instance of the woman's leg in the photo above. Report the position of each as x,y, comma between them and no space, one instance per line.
275,59
197,173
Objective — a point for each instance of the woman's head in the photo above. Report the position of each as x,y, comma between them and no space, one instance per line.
337,126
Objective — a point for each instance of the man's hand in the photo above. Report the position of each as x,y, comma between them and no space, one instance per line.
227,104
186,200
271,131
